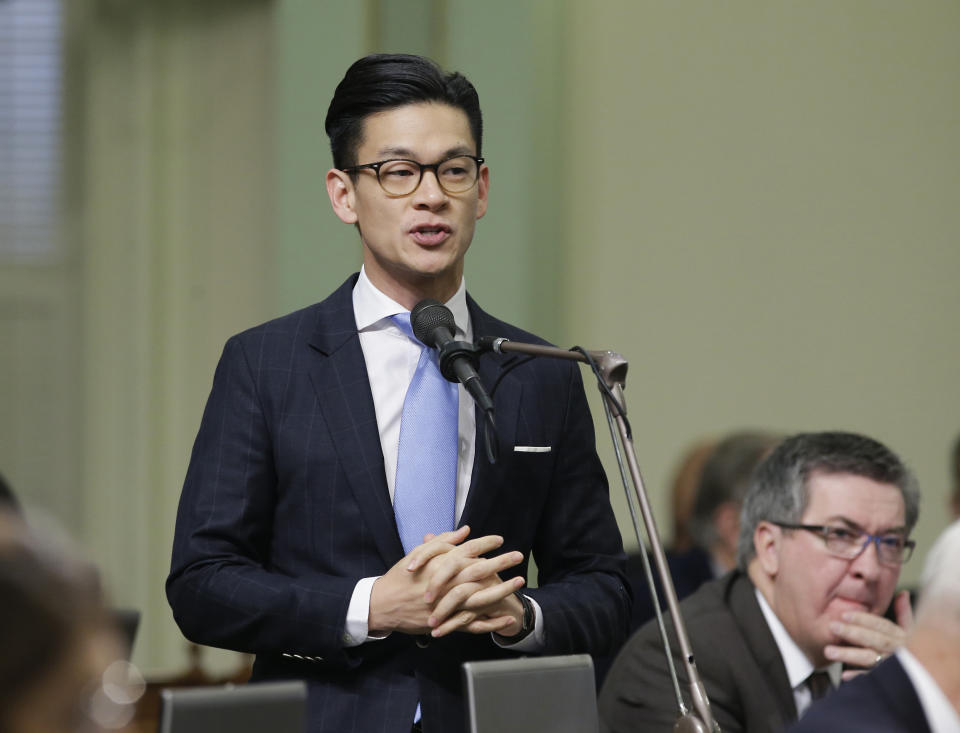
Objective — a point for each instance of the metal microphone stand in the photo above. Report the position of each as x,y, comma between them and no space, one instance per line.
613,370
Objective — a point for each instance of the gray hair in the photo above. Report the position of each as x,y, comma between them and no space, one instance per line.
779,490
726,477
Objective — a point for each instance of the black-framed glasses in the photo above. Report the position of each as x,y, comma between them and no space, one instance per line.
892,549
401,177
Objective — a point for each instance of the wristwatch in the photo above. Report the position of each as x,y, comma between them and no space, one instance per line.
526,624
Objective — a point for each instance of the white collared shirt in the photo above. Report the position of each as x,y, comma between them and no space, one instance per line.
391,358
942,717
798,666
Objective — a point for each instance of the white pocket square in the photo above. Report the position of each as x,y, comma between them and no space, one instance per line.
532,448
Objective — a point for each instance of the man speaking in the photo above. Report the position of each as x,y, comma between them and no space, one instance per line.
339,517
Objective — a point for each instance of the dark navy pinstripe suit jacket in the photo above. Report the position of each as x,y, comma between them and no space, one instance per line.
285,507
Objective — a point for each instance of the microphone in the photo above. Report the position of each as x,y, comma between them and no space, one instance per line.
434,325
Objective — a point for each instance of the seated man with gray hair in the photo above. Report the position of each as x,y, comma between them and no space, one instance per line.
824,531
917,690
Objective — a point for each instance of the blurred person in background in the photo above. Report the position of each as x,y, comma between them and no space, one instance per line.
709,489
715,519
683,491
56,640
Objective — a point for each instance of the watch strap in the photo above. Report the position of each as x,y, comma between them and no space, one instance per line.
527,623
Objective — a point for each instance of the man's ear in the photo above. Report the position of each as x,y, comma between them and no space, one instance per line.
342,195
766,543
483,190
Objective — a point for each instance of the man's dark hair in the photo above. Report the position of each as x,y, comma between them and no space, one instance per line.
779,490
381,82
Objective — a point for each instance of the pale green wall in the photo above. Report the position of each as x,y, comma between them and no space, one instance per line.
766,220
505,48
756,203
316,41
171,128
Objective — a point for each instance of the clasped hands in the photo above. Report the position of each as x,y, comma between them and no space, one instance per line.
444,585
870,638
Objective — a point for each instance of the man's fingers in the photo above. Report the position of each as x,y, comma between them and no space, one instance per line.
453,536
871,632
480,545
473,597
438,545
456,570
903,610
481,569
869,621
454,600
459,620
864,658
489,625
851,673
444,570
494,594
868,638
478,625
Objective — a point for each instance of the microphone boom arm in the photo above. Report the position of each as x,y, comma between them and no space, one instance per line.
613,370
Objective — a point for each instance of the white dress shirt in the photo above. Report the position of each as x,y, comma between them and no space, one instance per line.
798,666
391,358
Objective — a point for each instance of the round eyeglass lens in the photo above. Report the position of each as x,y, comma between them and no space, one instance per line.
401,177
458,174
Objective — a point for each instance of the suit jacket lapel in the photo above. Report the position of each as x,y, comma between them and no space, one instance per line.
748,616
486,478
339,376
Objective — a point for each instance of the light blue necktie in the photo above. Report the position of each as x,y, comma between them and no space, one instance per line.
425,489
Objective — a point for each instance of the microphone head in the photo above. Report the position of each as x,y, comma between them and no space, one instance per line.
427,317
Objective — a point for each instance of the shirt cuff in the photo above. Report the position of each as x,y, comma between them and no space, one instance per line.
532,642
356,630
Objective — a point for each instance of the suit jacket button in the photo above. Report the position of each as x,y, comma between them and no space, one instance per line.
423,641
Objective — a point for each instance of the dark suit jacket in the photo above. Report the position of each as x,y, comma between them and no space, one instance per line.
882,701
285,507
689,570
736,656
